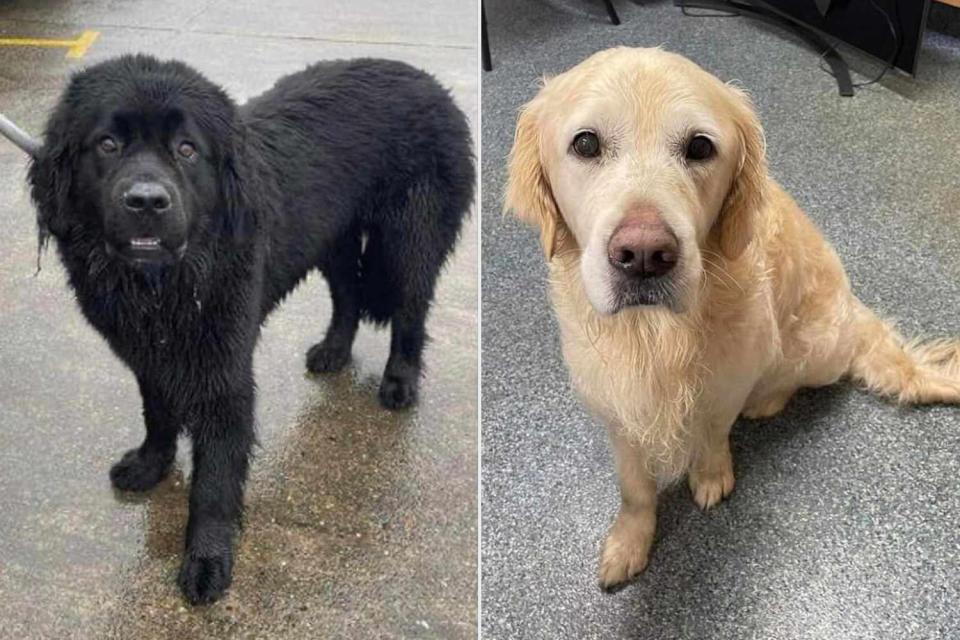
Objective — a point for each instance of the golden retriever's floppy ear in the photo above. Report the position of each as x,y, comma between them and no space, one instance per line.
735,224
528,192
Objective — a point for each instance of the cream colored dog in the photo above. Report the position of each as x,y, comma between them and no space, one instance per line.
689,287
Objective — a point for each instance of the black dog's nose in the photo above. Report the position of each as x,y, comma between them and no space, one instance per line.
147,197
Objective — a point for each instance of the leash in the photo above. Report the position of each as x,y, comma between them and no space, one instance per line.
31,145
19,137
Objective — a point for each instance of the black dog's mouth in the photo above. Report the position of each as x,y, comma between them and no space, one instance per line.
147,250
146,244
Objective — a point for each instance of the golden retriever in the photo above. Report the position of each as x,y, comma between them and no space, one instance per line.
689,287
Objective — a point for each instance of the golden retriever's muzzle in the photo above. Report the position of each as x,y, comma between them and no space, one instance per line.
642,253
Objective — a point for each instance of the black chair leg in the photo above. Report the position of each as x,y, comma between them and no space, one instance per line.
614,18
484,42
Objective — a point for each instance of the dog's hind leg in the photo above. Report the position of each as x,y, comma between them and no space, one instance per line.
342,272
401,377
142,468
767,404
411,248
400,269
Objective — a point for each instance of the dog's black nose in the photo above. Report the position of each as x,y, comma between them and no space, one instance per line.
643,247
147,197
644,263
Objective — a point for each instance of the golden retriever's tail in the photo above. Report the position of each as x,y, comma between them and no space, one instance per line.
911,371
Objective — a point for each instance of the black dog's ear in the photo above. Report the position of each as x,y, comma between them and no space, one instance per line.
51,176
240,214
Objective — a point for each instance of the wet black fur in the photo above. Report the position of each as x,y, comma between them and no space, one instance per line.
361,169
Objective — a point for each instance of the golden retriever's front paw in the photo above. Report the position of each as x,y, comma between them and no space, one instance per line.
712,485
625,554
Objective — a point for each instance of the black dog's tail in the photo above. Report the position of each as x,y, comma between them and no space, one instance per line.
407,246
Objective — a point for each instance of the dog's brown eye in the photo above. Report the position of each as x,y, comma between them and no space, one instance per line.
586,144
108,144
187,150
699,148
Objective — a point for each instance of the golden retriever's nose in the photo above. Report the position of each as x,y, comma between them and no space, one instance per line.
642,246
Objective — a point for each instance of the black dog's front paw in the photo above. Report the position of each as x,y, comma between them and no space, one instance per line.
205,578
139,472
398,392
327,358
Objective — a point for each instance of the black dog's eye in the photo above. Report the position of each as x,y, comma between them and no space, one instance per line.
187,150
699,148
108,145
586,144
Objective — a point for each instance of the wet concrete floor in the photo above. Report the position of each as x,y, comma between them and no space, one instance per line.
360,522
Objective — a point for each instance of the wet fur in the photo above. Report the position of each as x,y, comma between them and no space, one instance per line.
331,155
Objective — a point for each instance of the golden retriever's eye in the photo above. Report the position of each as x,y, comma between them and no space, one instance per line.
187,150
108,145
699,148
586,144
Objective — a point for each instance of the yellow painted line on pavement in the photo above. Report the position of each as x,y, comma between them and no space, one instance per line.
75,48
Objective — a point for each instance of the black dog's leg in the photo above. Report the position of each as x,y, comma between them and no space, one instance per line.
342,273
401,377
144,467
412,261
221,452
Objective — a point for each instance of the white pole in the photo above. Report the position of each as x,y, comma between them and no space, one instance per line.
18,136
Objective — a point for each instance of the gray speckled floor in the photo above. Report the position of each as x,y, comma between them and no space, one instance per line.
845,522
360,522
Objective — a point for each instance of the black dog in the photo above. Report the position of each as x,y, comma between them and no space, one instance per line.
183,220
